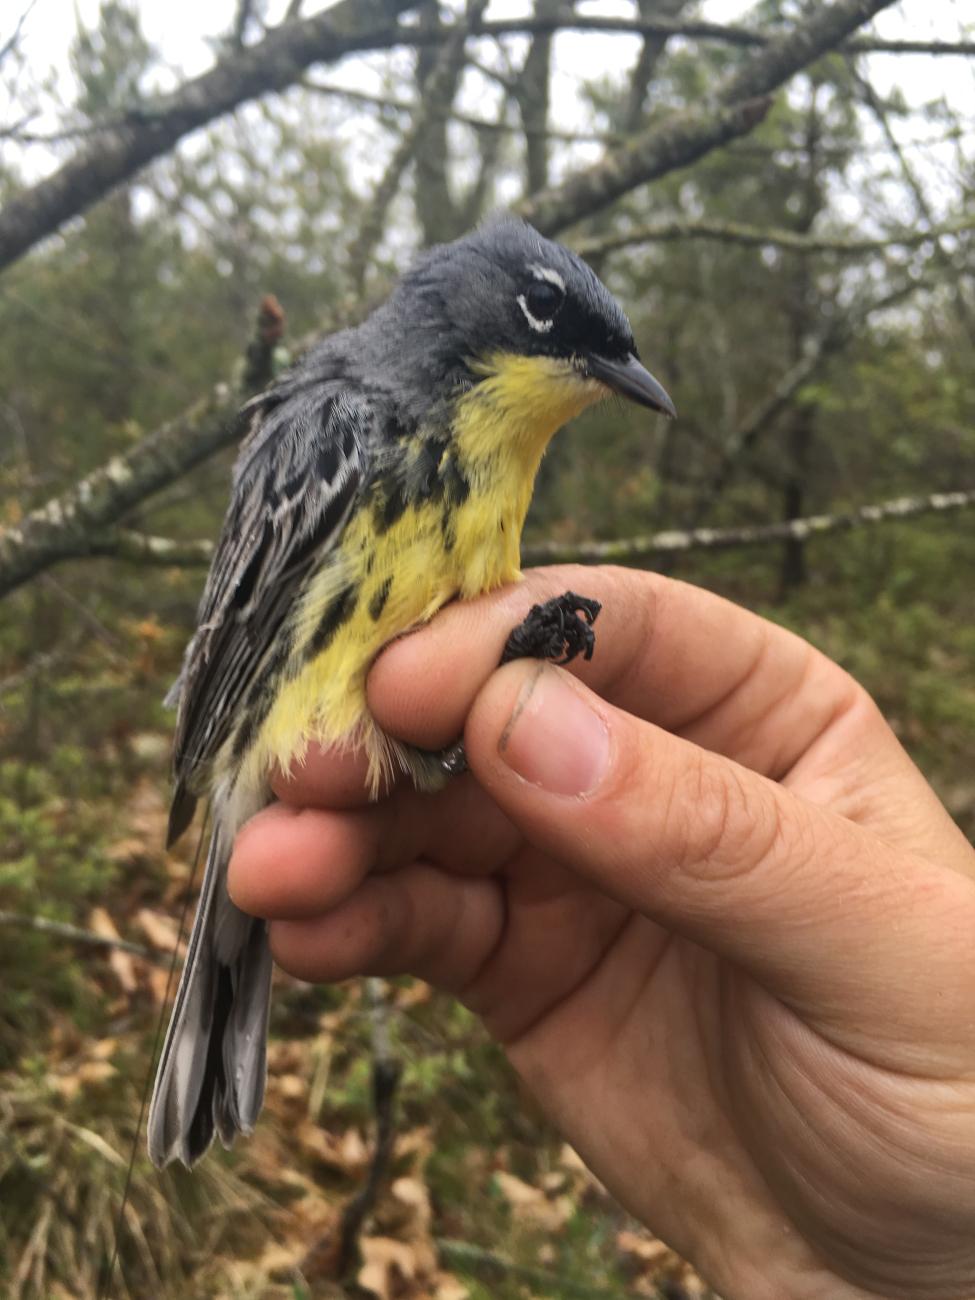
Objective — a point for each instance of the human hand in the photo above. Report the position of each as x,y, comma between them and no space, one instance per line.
719,921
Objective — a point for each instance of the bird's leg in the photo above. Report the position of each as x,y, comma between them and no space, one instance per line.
559,631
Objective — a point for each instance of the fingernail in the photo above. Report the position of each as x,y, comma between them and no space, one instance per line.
553,738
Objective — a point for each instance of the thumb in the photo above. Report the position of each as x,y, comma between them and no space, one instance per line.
818,909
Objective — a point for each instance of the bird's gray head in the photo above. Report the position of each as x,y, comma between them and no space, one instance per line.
505,290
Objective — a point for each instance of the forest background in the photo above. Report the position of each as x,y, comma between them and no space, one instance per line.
789,221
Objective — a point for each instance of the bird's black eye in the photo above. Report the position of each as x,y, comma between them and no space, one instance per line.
543,299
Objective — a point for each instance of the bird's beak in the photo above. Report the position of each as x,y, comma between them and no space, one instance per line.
630,379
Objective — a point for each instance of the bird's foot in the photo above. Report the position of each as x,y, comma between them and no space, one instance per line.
559,630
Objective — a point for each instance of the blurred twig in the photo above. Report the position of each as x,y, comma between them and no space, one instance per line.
386,1073
138,548
724,33
13,39
631,550
62,930
739,232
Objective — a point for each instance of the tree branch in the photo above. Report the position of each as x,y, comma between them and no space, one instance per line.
735,232
121,150
740,103
633,550
726,34
409,107
139,548
387,1071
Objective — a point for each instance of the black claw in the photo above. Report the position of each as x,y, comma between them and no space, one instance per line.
453,759
555,631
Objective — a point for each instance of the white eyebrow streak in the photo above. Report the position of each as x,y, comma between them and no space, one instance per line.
546,273
539,326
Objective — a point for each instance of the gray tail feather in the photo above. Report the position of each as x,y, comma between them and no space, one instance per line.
213,1066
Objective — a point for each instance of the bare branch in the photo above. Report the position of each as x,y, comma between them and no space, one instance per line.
64,526
120,151
734,232
740,102
147,550
68,525
139,548
635,550
726,34
408,108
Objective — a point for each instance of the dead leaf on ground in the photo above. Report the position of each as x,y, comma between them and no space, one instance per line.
347,1152
387,1266
531,1205
88,1074
120,963
161,931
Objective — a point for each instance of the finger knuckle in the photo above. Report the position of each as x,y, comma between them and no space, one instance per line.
729,828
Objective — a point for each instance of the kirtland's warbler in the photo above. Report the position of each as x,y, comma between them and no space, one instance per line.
388,473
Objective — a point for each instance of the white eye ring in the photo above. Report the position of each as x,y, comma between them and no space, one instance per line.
539,326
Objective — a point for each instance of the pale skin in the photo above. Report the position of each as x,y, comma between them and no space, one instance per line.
717,918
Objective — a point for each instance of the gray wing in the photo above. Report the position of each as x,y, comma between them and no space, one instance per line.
300,470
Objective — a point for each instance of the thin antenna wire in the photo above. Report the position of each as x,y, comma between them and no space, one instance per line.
109,1272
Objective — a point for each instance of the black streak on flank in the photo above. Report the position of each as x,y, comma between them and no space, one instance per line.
245,735
455,486
340,611
378,602
447,529
434,476
259,699
391,506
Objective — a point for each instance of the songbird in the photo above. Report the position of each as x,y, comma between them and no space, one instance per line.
389,473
